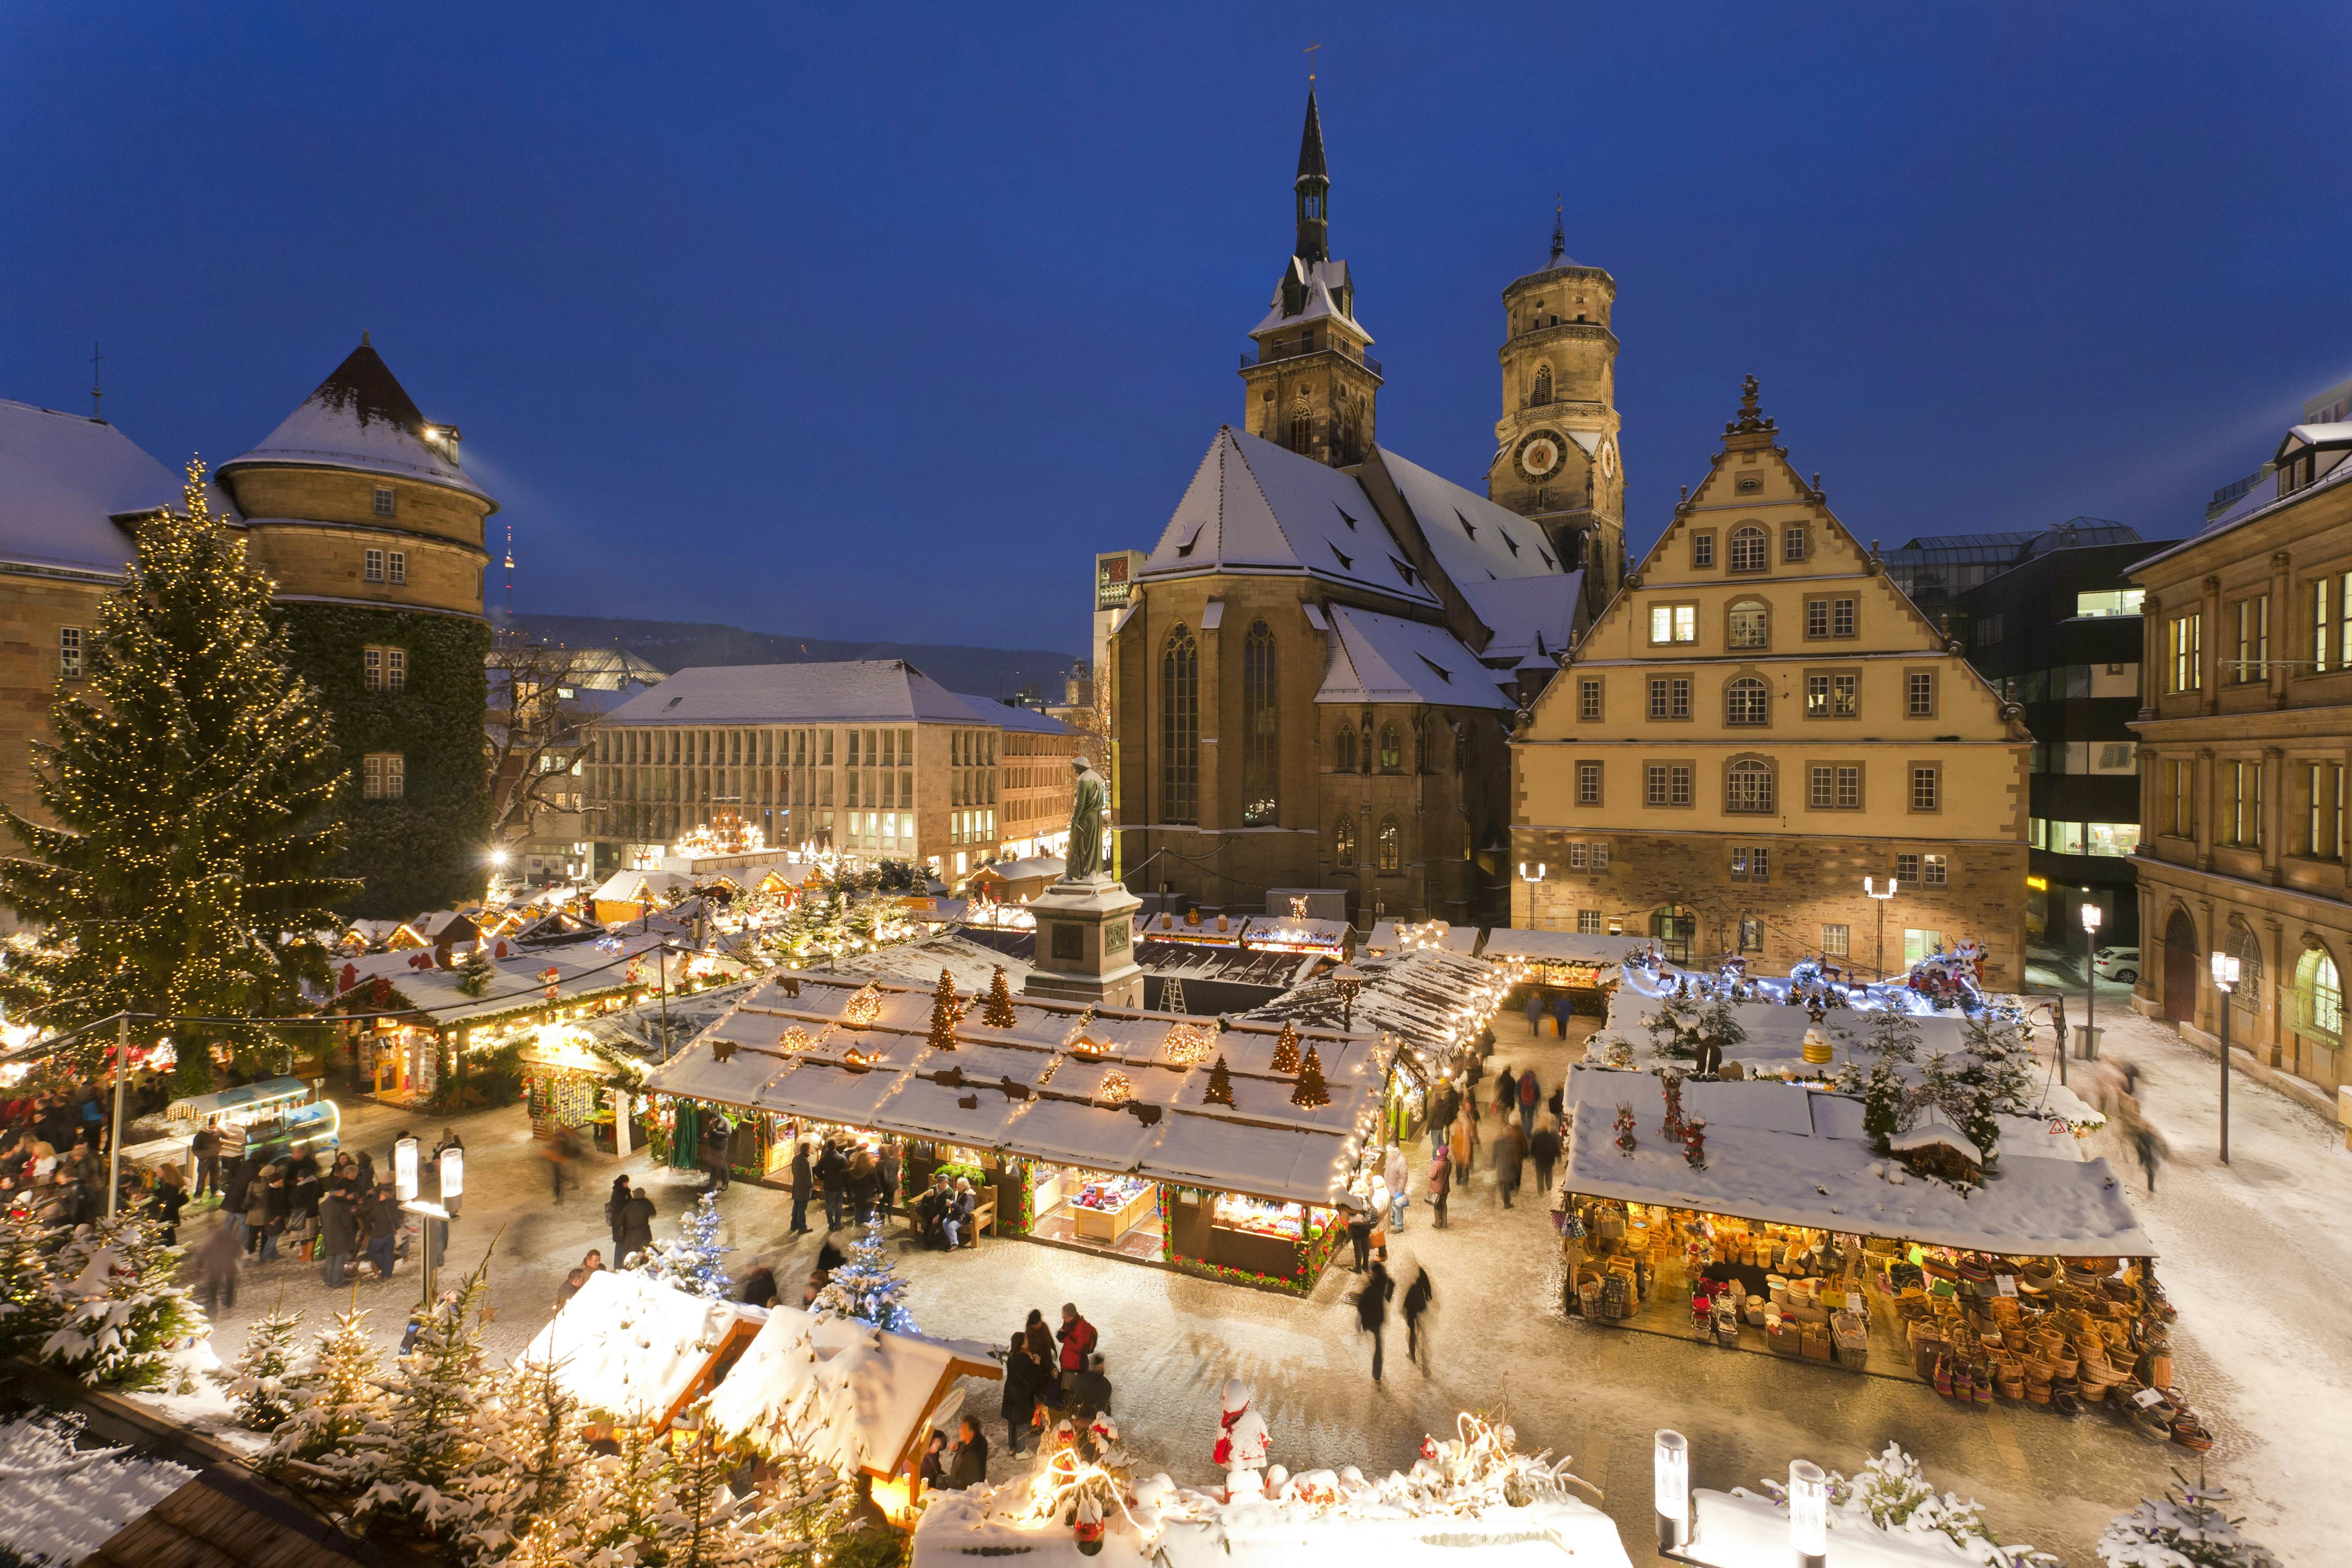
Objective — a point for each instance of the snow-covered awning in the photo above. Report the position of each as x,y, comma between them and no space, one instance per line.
1432,1001
1105,1089
1793,1156
632,1348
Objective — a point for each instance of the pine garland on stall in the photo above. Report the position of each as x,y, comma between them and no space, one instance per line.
122,1313
261,1382
1220,1089
999,1014
2185,1528
867,1287
429,1440
945,1011
691,1262
336,1401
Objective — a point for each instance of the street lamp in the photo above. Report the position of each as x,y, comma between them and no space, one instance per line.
1869,886
1671,1470
403,1170
2091,917
453,1176
1809,1513
1347,980
2225,981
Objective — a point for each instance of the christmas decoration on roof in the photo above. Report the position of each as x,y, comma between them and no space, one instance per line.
1117,1088
998,1014
1311,1090
1285,1050
1625,1129
863,1010
1188,1045
1221,1085
945,1010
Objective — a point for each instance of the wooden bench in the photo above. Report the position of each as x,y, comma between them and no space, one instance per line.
983,1216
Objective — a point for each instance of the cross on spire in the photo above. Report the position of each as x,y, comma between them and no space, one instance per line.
96,388
1312,44
1559,227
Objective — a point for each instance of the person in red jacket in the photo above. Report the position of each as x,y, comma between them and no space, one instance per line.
1077,1337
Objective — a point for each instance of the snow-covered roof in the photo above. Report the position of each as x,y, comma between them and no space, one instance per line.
1475,540
1782,1153
1024,870
1382,658
630,886
1013,716
629,1347
1254,507
972,965
1555,947
583,970
843,1392
1432,1001
63,480
1322,282
857,690
1043,1087
1531,616
360,417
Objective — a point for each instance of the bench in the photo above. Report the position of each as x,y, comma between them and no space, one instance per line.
983,1216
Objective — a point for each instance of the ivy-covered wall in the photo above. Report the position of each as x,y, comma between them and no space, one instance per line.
424,851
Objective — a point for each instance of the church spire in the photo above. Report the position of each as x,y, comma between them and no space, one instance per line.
1558,230
1314,190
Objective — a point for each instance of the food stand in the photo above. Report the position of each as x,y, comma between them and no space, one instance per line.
1582,965
1109,1130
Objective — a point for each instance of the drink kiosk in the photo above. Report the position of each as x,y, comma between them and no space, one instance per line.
277,1116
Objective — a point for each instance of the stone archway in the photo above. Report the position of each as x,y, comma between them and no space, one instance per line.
2179,967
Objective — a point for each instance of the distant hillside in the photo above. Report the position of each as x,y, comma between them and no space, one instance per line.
677,645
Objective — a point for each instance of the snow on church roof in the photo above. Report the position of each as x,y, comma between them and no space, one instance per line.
1473,540
1380,658
1531,616
360,417
1321,281
63,479
1780,1153
1252,506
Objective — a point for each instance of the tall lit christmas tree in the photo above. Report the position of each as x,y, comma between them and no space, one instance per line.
690,1262
338,1402
867,1287
191,779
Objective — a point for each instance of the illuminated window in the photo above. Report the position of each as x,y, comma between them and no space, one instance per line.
1750,624
1391,750
1343,842
1392,846
2319,995
1259,767
70,652
1674,623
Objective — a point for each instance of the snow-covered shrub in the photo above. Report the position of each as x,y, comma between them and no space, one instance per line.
63,1501
120,1313
691,1261
1892,1493
335,1404
867,1287
2185,1528
261,1381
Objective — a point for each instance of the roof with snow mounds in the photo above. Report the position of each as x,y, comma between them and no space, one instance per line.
67,486
361,418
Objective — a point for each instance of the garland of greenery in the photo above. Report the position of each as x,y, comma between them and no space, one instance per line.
425,850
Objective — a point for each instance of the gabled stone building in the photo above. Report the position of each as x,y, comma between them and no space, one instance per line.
1758,721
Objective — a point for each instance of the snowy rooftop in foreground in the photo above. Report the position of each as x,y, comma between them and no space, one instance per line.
1429,998
1108,1096
630,1346
1782,1153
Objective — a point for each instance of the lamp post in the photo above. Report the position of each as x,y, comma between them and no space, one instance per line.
1870,885
1347,980
1809,1514
2091,917
1670,1467
2225,981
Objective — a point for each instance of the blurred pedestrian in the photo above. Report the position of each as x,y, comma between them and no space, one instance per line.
1360,1229
1372,1310
802,1179
1561,1009
1441,1180
1543,1148
1510,1159
1535,1011
1397,1174
1418,1296
217,1262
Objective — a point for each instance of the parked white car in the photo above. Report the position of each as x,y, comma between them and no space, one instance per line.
2120,964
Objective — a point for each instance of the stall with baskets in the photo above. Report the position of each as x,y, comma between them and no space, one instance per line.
1758,1216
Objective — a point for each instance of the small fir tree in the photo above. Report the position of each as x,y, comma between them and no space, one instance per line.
475,975
261,1381
28,1312
867,1287
1894,1041
945,1011
691,1262
999,1014
2185,1528
1221,1084
540,1433
336,1401
1285,1048
191,779
1311,1090
706,1524
120,1313
429,1439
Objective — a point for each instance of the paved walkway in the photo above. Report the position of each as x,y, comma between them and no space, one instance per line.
1594,1392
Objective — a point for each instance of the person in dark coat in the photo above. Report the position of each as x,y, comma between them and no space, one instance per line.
1360,1231
613,1203
1510,1159
717,1135
1417,1298
968,1465
1041,1346
886,1189
166,1202
1544,1150
1534,1012
1372,1310
1088,1392
636,1226
1444,1104
1506,1093
934,1472
338,1233
759,1287
381,1214
832,1181
217,1262
1561,1009
1529,1092
1022,1375
803,1180
829,1256
205,1146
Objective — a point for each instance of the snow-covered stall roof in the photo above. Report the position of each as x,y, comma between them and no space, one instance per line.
1384,659
1556,947
843,1392
630,1347
1429,999
1106,1088
973,965
1783,1152
631,887
1776,1031
517,982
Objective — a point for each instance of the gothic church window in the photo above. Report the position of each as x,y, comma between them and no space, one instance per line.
1343,842
1391,750
1392,846
1302,424
1180,728
1543,387
1343,748
1259,765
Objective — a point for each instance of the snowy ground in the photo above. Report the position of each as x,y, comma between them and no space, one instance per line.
2273,1380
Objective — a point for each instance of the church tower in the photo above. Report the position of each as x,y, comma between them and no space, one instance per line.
1556,457
1312,388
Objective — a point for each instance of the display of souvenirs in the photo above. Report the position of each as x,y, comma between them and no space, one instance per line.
1292,1221
1109,1193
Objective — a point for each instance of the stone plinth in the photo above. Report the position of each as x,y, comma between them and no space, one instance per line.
1085,945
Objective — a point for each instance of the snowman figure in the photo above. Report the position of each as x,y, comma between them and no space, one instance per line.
1242,1443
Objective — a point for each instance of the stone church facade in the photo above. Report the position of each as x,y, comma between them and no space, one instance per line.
1313,678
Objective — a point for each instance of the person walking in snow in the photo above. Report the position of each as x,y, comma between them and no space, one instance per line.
1506,1093
1543,1148
217,1262
1441,1180
1528,1095
1418,1296
1019,1402
1359,1228
1372,1310
802,1180
1561,1009
1511,1156
1534,1012
1396,1173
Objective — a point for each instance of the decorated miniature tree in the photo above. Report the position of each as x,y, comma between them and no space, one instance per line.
261,1382
336,1401
1718,1030
429,1440
475,975
1311,1092
1693,1137
691,1262
1625,1140
945,1010
1220,1090
121,1313
1285,1048
706,1524
1894,1041
999,1012
2185,1528
867,1287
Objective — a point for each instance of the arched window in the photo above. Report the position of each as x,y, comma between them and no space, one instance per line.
1260,769
1180,728
1748,552
1748,787
1543,387
1302,424
2318,996
2248,952
1747,701
1752,624
1343,842
1392,846
1391,750
1343,747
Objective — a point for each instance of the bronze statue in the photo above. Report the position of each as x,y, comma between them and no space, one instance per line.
1089,852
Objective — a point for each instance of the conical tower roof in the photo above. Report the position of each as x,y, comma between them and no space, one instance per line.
1311,143
360,417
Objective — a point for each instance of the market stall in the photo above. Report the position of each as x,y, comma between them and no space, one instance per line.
1761,1216
637,1352
1110,1129
1582,965
278,1115
569,1084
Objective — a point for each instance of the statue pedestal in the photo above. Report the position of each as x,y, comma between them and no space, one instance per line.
1085,945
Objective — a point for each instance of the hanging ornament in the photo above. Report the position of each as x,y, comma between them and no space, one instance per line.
1625,1129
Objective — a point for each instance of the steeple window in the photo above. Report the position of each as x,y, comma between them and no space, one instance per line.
1542,393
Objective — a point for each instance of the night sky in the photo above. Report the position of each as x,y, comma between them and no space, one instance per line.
858,321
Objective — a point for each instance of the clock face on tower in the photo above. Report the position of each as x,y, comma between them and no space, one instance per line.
1541,454
1608,458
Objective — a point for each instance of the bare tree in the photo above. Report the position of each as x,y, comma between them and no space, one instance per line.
536,730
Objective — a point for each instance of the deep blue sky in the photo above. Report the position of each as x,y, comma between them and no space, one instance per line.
876,322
